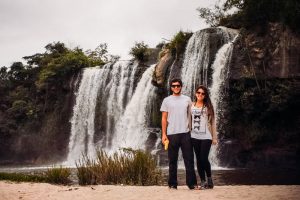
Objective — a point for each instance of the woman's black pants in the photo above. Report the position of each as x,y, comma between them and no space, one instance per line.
201,149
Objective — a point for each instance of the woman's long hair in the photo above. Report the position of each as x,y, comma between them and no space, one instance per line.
207,102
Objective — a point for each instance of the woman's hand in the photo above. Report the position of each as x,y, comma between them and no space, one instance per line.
214,141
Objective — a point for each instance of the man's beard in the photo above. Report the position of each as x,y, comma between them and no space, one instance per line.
177,92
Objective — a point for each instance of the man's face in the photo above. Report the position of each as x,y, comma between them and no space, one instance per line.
176,88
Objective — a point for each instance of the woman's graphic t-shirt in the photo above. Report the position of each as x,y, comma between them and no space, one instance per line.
199,124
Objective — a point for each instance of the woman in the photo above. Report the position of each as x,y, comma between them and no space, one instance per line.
203,134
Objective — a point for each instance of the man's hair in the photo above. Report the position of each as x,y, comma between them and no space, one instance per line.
174,80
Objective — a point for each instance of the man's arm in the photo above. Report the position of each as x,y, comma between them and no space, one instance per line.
164,124
189,113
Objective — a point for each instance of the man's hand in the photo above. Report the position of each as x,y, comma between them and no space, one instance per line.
164,138
164,124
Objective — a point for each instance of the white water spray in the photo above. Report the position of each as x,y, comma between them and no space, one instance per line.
131,131
220,74
82,122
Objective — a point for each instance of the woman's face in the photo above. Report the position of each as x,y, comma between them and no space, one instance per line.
200,94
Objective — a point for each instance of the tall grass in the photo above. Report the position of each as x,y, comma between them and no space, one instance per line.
52,175
58,175
132,167
18,177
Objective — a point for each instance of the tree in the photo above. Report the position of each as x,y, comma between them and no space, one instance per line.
140,51
212,16
248,13
99,55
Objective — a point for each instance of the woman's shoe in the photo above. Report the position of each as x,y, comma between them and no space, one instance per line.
210,184
202,185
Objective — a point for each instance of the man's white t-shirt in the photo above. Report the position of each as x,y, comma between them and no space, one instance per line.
177,108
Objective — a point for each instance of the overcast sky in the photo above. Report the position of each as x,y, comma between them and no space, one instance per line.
27,26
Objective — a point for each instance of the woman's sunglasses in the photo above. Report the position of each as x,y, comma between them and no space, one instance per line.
202,93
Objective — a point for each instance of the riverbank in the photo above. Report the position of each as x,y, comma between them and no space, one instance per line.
38,191
223,177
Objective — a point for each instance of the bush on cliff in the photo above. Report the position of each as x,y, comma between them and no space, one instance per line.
251,13
140,51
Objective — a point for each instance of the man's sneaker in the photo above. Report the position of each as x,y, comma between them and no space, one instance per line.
192,187
210,184
173,187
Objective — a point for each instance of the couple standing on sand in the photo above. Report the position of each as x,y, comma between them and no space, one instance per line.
190,126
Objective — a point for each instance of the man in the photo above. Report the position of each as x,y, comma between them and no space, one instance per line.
175,130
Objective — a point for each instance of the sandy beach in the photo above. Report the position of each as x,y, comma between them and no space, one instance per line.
44,191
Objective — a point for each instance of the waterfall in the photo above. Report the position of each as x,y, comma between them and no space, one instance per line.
199,54
220,74
113,110
131,131
208,47
106,89
115,95
196,60
82,122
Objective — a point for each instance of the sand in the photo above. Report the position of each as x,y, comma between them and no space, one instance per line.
44,191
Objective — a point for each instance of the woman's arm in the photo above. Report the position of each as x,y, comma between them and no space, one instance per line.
214,131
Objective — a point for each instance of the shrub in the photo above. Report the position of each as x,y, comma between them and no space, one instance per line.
58,175
85,172
52,175
179,41
133,167
140,51
22,177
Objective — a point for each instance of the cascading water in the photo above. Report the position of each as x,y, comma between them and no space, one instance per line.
199,55
110,86
82,122
112,110
220,74
197,61
115,95
131,131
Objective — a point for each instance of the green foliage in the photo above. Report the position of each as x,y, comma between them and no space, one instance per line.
58,175
99,55
249,13
85,171
212,16
37,91
3,73
59,61
160,45
263,116
178,42
133,167
140,51
62,65
52,175
22,177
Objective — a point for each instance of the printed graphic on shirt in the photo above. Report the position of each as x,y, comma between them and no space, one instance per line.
198,121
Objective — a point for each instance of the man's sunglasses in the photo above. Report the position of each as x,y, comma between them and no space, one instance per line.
174,86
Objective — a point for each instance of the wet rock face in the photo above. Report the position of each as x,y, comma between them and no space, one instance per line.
274,54
161,67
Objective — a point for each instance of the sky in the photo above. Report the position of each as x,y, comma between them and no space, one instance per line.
27,26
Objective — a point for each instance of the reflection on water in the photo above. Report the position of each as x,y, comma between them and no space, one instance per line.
220,177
